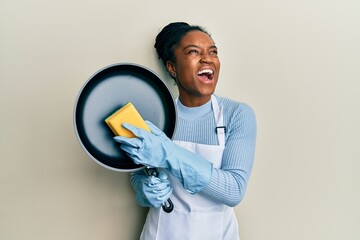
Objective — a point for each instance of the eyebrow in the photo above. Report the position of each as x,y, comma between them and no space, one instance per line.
195,46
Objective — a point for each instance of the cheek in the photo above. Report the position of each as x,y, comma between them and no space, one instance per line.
218,65
189,63
217,62
185,68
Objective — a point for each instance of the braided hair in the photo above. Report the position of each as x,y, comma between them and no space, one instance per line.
170,36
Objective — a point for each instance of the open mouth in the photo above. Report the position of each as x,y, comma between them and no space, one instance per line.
205,75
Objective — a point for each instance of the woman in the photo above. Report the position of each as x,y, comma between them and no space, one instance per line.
206,167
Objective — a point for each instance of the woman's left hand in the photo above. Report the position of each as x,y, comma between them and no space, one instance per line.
148,148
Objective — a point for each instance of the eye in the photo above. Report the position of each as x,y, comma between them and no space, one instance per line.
214,52
193,51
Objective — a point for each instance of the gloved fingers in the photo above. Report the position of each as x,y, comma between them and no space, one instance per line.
130,150
152,180
162,175
157,198
154,129
134,157
139,132
165,195
160,187
155,184
134,154
133,142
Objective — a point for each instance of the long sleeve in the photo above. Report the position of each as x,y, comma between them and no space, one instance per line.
228,184
136,178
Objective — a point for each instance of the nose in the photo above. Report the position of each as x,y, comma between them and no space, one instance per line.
205,58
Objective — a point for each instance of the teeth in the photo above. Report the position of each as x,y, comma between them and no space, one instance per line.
205,71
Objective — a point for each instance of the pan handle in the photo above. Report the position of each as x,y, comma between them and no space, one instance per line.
167,206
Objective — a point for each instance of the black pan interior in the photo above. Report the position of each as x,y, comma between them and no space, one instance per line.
110,89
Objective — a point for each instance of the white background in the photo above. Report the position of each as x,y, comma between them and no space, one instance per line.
295,62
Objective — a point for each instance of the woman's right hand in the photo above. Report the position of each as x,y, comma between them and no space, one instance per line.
153,191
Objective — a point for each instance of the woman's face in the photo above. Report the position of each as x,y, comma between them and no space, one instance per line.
197,68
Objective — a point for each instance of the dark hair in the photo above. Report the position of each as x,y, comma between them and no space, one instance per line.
170,36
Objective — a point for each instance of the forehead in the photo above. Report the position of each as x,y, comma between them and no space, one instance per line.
197,38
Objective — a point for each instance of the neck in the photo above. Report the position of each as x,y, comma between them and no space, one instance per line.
194,101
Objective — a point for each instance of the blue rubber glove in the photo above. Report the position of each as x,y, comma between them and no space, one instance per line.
152,191
155,149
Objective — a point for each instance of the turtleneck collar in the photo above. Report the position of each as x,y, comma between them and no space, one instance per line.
191,113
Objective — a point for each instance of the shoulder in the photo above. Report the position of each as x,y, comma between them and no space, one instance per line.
238,116
234,107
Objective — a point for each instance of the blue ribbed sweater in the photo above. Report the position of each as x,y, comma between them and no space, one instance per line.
227,184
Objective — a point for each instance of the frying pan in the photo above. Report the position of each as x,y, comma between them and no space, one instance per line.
108,90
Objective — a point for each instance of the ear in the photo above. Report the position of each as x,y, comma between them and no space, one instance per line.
170,67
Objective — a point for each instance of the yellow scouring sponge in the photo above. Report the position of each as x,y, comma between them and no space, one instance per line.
129,114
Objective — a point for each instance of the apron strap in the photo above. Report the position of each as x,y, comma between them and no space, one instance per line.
219,119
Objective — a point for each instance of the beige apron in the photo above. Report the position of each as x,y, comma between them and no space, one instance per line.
194,216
